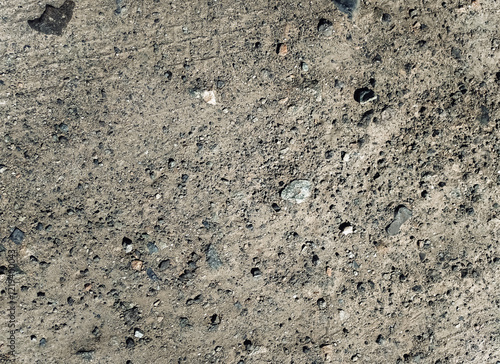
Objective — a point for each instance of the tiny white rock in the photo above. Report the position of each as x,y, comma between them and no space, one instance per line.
209,97
348,230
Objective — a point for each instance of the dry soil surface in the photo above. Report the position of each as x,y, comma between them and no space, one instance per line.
228,181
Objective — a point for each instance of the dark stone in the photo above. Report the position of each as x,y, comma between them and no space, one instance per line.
484,118
126,241
213,259
152,275
53,20
248,345
364,95
325,27
186,275
380,340
130,343
17,236
348,7
194,300
386,18
256,272
366,118
276,207
164,264
456,53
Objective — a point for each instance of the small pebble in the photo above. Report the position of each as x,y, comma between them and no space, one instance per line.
256,272
138,333
136,264
325,27
282,49
17,236
151,274
346,228
275,207
304,66
347,7
164,264
297,191
130,343
127,245
152,248
401,215
364,95
213,259
209,97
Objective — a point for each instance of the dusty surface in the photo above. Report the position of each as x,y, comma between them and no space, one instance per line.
143,156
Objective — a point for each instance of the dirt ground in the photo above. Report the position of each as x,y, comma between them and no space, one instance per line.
229,181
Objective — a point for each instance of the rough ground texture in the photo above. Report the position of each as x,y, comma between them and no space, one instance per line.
144,152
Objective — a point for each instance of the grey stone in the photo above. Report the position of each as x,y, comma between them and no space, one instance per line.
484,118
152,248
297,191
213,259
256,272
325,27
17,236
347,6
53,20
86,354
401,215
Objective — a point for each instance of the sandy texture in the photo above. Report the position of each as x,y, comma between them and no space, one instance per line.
144,152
